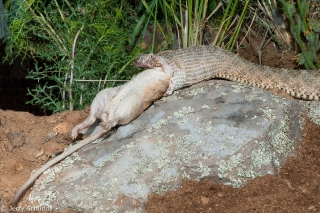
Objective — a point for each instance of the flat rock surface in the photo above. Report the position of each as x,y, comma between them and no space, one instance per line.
218,130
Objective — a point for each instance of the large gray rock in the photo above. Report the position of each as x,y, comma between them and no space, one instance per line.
218,130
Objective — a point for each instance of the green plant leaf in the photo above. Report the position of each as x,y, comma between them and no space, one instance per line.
78,43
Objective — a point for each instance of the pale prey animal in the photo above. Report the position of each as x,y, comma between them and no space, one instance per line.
113,106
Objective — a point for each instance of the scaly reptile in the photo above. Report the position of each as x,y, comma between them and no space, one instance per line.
194,64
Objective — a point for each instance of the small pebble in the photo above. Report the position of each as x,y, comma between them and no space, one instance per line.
220,194
204,200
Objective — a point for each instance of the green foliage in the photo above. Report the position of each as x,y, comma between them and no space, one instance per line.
189,19
71,42
305,30
226,21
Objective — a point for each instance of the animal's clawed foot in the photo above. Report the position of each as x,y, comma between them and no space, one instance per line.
169,90
74,133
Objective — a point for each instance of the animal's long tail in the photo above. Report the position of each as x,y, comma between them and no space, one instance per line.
53,161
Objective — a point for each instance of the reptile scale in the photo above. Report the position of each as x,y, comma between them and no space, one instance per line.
195,64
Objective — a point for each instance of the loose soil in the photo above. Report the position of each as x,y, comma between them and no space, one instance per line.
28,141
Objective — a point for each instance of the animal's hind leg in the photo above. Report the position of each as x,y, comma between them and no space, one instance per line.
86,123
107,121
